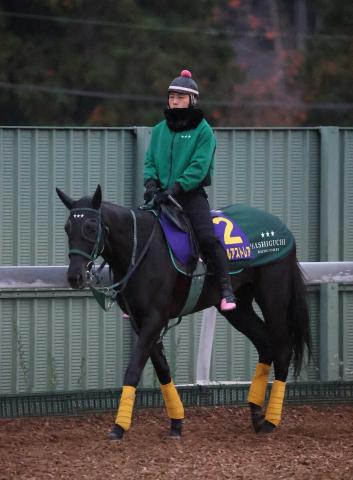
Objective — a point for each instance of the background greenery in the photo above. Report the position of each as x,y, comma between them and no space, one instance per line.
274,62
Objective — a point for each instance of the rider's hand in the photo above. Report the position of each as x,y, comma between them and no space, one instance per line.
151,187
162,197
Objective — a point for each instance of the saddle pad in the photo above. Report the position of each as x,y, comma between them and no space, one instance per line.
178,240
269,239
250,237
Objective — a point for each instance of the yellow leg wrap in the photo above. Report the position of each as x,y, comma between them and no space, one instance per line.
126,405
257,391
174,406
275,404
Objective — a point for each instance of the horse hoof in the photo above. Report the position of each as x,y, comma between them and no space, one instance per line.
116,433
175,429
267,427
257,422
257,416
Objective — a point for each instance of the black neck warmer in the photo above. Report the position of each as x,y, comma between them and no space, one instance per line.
180,119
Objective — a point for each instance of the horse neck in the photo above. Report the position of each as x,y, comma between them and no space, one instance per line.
119,243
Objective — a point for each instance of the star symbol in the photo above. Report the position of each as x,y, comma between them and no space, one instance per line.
267,234
273,233
262,234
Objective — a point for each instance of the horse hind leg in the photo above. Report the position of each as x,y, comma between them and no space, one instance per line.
281,361
274,305
257,394
172,401
246,321
286,314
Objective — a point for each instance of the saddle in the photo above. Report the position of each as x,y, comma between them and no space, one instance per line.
176,216
185,252
180,236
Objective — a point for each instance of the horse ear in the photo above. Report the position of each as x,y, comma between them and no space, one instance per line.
97,198
67,201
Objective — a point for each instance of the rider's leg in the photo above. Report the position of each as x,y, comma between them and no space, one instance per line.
197,208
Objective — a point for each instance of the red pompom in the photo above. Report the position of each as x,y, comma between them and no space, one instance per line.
186,73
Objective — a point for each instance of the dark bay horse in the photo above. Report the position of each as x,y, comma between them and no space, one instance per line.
153,291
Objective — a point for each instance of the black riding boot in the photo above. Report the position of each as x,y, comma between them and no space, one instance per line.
228,298
226,286
220,263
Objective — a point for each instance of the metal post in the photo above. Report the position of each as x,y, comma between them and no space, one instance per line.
329,332
143,135
329,251
205,345
329,195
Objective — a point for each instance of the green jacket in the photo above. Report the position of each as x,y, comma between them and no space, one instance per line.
185,157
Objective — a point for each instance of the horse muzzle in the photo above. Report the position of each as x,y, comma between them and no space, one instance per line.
77,277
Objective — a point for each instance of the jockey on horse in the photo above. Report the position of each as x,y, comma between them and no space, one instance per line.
179,162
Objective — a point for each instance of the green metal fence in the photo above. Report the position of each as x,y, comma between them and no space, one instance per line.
59,341
83,402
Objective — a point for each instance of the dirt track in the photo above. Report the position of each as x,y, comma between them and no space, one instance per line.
218,443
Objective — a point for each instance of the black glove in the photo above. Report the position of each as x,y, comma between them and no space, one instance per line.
162,197
151,187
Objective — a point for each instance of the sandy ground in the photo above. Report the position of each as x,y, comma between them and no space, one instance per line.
217,443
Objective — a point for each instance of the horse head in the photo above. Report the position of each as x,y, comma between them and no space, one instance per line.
85,235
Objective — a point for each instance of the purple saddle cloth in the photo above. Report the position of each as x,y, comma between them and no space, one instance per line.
231,236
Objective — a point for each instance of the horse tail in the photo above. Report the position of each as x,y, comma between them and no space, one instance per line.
298,318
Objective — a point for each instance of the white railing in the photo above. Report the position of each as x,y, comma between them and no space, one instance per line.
42,277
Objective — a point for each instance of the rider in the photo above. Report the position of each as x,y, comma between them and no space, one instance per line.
179,160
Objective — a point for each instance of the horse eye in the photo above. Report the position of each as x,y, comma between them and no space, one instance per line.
91,224
89,229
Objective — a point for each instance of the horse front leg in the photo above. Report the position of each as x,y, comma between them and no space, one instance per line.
144,346
172,401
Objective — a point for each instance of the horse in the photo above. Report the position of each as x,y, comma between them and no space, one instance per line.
152,291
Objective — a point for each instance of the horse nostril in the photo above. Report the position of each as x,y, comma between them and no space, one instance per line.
75,280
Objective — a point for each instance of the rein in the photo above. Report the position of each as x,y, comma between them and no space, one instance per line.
111,292
106,296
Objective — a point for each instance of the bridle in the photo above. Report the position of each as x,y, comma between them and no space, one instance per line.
110,292
98,246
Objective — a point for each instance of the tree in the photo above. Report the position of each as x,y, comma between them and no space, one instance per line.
123,53
327,72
